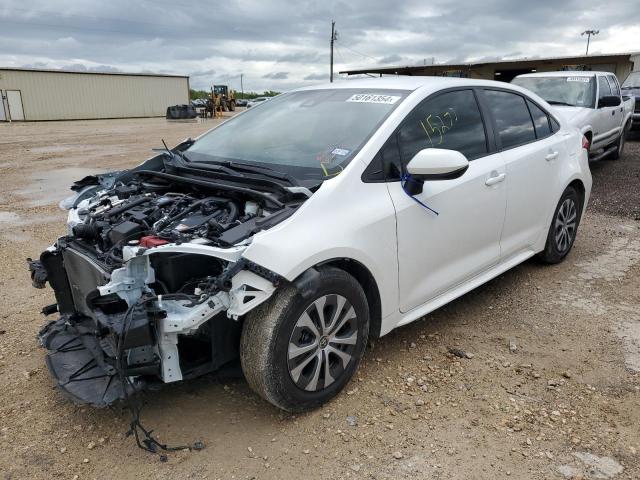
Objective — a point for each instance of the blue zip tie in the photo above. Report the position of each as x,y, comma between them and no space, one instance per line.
408,178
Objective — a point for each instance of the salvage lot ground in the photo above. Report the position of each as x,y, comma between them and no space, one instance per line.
565,403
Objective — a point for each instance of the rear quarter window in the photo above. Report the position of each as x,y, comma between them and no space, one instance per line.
541,120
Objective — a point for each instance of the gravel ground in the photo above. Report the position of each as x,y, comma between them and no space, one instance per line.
551,388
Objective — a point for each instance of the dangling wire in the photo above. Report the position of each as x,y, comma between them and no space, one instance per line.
147,442
406,178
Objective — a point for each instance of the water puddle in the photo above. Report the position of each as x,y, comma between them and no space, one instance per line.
9,217
48,188
53,149
18,229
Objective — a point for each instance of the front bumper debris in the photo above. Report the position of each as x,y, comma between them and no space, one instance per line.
115,335
74,361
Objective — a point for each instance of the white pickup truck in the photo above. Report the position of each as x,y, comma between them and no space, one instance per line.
591,101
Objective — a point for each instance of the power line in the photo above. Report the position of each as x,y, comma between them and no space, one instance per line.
339,53
359,53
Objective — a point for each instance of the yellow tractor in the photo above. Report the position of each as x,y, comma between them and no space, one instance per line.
223,96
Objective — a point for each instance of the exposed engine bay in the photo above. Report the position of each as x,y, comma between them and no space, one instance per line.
150,282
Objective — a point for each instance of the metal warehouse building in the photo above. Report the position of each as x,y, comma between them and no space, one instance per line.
66,95
505,70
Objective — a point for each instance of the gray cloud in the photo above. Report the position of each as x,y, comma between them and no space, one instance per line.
276,75
317,76
278,44
392,59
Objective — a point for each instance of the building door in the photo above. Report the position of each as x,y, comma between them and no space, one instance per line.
14,99
3,116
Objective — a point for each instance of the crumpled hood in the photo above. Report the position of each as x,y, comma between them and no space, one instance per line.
576,116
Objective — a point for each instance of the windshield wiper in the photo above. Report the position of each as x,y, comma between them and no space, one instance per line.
556,102
260,169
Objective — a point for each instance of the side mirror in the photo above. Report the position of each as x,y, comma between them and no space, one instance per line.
609,101
437,164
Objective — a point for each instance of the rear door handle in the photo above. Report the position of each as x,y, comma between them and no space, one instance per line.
551,156
495,179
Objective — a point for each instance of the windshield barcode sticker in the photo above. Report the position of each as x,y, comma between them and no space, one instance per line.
579,79
372,98
340,151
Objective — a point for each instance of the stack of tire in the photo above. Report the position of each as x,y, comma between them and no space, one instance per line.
181,112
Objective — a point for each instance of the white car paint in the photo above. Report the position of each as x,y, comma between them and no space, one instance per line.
491,218
604,125
482,230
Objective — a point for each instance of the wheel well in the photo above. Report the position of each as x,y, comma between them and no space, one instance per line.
578,186
589,136
370,287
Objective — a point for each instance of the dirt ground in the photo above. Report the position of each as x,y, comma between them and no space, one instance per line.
551,388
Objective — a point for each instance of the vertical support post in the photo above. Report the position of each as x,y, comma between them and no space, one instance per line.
333,38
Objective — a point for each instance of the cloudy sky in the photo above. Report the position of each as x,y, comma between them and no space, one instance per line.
281,45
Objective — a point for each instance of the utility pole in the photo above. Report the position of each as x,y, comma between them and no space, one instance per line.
588,33
241,85
333,39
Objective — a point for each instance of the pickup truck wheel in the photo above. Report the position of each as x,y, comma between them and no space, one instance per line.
617,153
302,346
563,229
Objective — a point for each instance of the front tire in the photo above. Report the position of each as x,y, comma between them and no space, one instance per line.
563,228
302,346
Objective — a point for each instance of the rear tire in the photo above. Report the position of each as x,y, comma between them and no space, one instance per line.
292,358
563,228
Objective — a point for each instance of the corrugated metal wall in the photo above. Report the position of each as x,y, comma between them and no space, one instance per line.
73,96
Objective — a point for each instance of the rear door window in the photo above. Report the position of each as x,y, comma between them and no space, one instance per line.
513,121
613,83
603,87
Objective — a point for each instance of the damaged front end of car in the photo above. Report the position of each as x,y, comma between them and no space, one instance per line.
150,282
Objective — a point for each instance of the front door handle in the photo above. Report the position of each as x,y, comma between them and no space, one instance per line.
495,179
551,156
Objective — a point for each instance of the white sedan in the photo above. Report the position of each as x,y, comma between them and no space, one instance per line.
257,101
348,210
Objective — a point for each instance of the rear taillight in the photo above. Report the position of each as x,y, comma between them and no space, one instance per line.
585,142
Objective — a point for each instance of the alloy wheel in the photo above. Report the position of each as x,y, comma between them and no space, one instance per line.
322,343
565,225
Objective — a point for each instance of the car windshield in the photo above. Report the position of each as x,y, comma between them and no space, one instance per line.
310,134
632,81
578,91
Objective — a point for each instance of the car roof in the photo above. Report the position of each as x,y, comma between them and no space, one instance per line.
408,83
564,73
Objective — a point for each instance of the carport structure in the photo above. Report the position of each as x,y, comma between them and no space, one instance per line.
505,70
